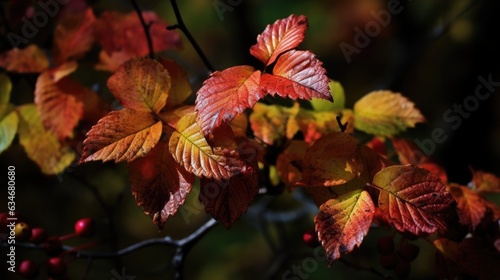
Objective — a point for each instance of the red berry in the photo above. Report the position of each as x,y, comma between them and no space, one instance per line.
52,246
23,231
388,261
38,235
85,227
402,269
408,252
56,266
28,269
309,237
385,245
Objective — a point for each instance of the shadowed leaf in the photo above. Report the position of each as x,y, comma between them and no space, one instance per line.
28,60
271,123
181,88
41,145
485,182
159,184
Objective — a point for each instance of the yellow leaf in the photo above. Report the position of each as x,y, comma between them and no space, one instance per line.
385,113
191,150
41,145
123,135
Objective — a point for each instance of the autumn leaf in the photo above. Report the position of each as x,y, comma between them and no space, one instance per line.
123,135
159,184
271,123
343,222
74,36
485,182
385,113
42,146
5,89
111,62
225,94
180,89
117,32
141,84
59,100
314,125
287,162
470,258
337,92
31,59
372,162
279,37
331,161
297,74
227,199
192,151
471,206
8,126
412,198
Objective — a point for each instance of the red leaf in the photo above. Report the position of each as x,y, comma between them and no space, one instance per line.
297,74
343,222
281,36
412,199
123,135
118,32
74,36
226,94
59,100
28,60
485,182
160,185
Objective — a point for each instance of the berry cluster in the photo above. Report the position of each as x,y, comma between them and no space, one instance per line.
52,245
397,259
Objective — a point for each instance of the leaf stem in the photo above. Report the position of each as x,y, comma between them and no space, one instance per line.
146,27
180,25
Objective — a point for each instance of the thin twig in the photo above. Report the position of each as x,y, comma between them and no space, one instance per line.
146,27
180,25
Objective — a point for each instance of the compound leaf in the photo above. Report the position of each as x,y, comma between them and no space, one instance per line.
279,37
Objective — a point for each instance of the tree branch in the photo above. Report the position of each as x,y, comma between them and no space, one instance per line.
180,25
146,28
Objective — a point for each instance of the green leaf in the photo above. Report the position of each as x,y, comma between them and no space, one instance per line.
337,91
5,88
8,128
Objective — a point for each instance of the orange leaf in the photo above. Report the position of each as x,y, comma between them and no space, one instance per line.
485,182
59,100
141,84
41,145
159,184
181,88
29,60
123,135
412,198
372,161
272,123
471,206
287,161
192,151
297,74
111,62
343,222
314,124
331,161
226,94
74,36
117,32
279,37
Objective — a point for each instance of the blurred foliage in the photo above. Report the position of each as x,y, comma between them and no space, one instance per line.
432,52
